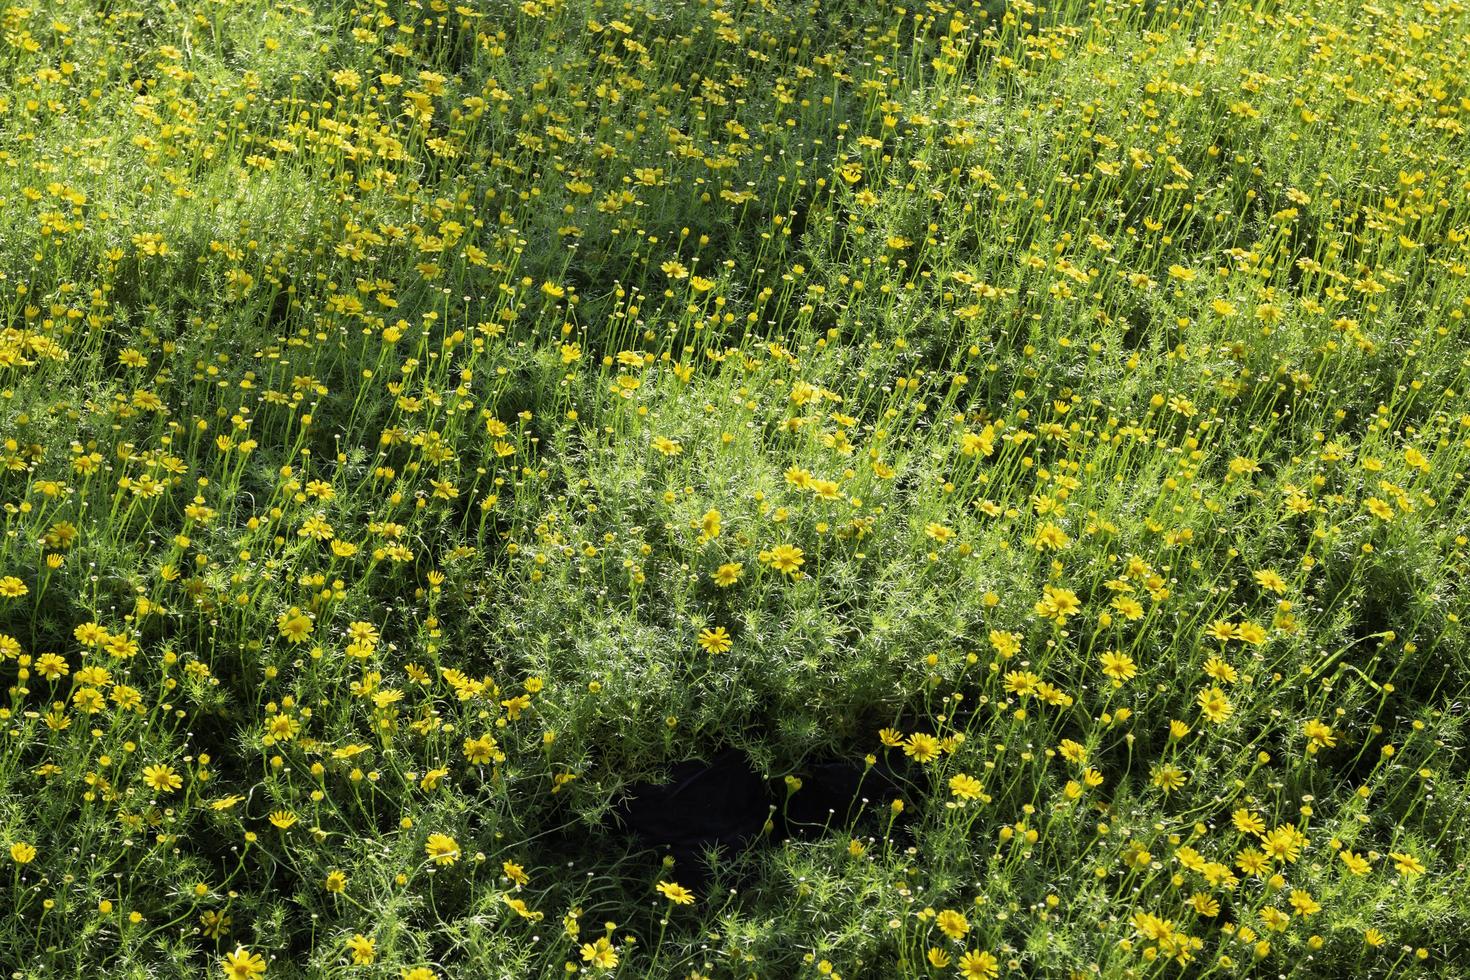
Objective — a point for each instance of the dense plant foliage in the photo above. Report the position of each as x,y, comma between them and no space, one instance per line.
423,423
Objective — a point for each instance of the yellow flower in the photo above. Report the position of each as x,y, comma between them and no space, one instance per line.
1057,604
1214,705
1407,865
336,882
214,923
243,964
965,787
979,966
787,559
921,747
442,848
363,949
162,778
295,626
715,640
1169,778
1303,903
1118,666
480,750
1319,735
1247,822
283,819
600,954
953,924
22,853
675,892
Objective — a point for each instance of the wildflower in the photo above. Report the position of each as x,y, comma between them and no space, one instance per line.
600,954
1319,735
1204,905
979,965
1220,670
162,778
1021,682
1006,643
675,892
1356,863
1168,778
1214,705
22,853
1407,865
1221,630
243,964
1284,843
294,625
1275,919
480,750
786,559
1119,667
715,640
515,873
1271,581
1379,508
1252,862
523,910
728,574
364,949
1057,604
442,849
1137,856
1050,536
921,747
1247,822
1303,903
214,923
1250,633
51,666
952,924
965,787
336,882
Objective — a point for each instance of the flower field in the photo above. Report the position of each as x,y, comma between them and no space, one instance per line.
734,489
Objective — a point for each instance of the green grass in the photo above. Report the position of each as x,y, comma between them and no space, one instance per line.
379,377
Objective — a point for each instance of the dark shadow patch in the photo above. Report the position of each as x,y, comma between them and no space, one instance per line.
724,805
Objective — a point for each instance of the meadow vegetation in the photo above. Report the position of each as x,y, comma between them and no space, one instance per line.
424,421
